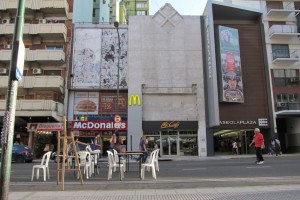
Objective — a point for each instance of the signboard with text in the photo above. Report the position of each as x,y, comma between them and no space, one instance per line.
108,103
99,125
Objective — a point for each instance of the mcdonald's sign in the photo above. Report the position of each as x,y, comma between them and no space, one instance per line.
134,99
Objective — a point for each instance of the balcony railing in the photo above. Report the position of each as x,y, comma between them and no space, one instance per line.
285,11
283,31
285,56
43,56
288,106
60,6
36,108
44,30
53,83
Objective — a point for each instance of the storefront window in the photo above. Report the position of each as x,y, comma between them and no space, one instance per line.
183,143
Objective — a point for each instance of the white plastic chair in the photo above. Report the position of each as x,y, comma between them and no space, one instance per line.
112,164
150,164
85,162
94,156
44,165
116,157
156,159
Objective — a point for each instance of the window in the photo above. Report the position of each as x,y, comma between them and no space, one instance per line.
293,98
94,12
140,12
286,77
282,97
141,5
52,72
279,77
280,51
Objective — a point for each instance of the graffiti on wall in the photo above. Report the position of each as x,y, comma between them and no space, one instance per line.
95,60
109,58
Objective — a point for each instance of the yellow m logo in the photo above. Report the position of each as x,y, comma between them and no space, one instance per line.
134,99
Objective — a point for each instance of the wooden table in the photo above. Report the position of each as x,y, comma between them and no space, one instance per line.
127,154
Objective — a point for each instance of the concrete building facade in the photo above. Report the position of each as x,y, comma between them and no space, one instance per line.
166,74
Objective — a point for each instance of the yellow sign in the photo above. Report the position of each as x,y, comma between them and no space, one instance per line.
170,125
134,99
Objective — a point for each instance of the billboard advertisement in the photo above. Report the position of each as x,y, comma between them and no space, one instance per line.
86,103
230,64
96,57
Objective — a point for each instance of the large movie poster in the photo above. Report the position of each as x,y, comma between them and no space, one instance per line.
232,84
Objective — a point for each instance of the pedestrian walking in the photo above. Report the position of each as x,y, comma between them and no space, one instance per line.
259,144
277,147
234,148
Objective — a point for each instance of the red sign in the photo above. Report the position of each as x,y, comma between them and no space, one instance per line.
98,125
45,127
108,103
118,118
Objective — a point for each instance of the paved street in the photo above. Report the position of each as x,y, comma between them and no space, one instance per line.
182,178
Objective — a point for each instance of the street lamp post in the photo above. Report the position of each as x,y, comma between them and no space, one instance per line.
116,24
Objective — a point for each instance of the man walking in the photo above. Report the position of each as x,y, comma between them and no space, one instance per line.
259,143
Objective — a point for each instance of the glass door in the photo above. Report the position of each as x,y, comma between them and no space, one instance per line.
169,142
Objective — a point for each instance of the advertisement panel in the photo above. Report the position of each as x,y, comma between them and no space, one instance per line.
86,103
108,102
230,61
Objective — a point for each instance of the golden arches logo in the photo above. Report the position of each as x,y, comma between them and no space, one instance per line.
134,99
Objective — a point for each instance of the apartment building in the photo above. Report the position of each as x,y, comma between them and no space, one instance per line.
46,36
108,11
281,21
134,7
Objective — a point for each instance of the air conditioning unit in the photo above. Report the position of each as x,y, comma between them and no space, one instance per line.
294,79
5,21
42,21
281,104
7,46
37,71
3,70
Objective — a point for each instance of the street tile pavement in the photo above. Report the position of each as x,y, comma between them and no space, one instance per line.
280,192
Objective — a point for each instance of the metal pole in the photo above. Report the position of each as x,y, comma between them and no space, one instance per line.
116,24
9,118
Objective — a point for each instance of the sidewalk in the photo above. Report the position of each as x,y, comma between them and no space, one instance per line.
291,192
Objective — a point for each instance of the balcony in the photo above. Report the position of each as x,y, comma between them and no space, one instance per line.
44,56
283,32
287,10
285,57
288,108
47,31
46,6
49,83
36,108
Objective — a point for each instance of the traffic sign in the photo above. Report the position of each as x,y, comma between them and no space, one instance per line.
117,118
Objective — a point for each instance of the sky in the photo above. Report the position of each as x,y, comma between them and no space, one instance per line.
184,7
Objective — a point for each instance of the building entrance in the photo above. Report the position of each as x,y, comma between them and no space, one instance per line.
223,140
